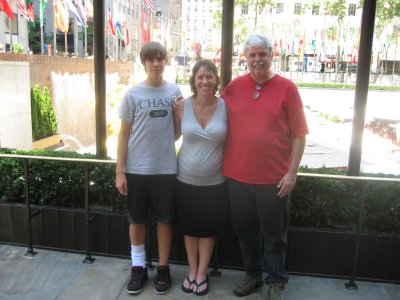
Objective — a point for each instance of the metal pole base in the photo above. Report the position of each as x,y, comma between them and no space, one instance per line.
214,273
88,260
351,285
30,253
150,265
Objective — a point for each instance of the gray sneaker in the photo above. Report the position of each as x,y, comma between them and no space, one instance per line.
248,284
275,291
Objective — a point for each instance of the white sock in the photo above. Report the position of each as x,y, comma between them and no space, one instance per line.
138,255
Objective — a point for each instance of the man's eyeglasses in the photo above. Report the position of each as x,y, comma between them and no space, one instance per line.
256,94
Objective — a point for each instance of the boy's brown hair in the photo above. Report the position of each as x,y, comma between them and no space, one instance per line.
152,50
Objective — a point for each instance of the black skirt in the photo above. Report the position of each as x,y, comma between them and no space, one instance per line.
202,211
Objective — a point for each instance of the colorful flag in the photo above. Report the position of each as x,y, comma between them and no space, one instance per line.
113,30
145,28
22,9
89,8
6,7
79,5
150,5
71,7
126,34
118,27
29,7
61,16
43,5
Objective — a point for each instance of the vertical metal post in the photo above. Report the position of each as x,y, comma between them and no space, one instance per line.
362,81
100,78
29,252
150,227
88,259
214,272
227,42
351,285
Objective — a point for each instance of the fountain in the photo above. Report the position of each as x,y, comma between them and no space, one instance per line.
74,103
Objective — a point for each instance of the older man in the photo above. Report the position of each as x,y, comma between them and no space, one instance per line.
264,146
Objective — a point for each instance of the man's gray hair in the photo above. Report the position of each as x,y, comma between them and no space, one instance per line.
255,40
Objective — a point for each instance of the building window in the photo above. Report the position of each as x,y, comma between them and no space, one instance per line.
352,9
279,8
297,8
245,9
315,10
14,25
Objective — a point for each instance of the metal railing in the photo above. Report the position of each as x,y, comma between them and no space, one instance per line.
362,180
29,214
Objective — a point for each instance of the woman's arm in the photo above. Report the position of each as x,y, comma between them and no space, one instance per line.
177,108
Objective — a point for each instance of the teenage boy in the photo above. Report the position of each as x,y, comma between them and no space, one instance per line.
146,165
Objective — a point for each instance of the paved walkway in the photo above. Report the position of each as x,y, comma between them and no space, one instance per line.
60,275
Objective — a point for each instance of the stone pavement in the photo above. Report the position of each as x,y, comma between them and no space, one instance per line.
62,275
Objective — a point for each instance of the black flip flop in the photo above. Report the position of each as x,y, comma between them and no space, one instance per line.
185,289
205,281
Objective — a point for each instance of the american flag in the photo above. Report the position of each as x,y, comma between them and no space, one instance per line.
22,9
150,5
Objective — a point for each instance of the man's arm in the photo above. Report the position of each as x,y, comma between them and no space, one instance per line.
288,181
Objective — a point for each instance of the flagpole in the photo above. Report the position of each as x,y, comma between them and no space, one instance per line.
116,45
54,32
41,28
76,33
86,54
11,39
65,44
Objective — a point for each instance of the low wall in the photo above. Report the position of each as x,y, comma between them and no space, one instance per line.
41,67
15,105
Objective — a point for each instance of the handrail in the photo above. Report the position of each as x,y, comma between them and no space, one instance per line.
351,178
67,159
111,161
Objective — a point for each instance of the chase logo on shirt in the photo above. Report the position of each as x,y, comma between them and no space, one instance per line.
158,113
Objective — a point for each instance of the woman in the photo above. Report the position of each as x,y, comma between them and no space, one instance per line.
202,195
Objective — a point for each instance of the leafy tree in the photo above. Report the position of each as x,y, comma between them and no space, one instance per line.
336,8
240,27
256,6
34,36
388,14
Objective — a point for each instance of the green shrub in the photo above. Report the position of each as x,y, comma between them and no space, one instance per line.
17,48
331,203
58,183
44,121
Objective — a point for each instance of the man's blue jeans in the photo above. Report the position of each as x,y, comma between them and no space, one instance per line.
260,219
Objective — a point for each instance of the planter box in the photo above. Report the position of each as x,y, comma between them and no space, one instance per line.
311,251
47,142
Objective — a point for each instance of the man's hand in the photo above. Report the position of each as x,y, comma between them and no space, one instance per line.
286,185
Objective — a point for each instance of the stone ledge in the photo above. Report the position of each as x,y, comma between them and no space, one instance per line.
47,142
